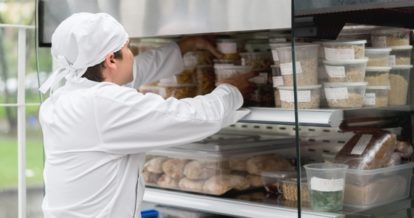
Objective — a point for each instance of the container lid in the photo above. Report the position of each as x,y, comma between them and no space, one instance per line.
300,87
279,174
378,87
345,42
401,67
344,84
380,171
377,51
346,62
384,31
225,40
376,69
400,48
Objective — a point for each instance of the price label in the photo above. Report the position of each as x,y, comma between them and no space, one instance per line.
339,53
327,185
287,68
335,71
336,93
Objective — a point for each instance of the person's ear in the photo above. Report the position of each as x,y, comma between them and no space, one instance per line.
109,61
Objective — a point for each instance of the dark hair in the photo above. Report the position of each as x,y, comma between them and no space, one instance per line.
94,73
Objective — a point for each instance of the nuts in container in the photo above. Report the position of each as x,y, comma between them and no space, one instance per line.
401,55
306,64
345,95
346,70
206,79
376,96
378,57
344,50
378,76
308,96
389,37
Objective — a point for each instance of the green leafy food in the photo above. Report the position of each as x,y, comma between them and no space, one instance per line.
326,201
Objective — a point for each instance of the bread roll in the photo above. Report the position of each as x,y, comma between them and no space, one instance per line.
191,185
201,169
154,165
257,165
239,182
255,181
174,168
238,164
151,178
167,182
217,185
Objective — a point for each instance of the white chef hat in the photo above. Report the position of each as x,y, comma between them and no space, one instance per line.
81,41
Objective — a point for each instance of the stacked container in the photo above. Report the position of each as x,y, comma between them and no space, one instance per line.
345,65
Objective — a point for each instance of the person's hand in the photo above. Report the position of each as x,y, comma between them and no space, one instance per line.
201,43
241,82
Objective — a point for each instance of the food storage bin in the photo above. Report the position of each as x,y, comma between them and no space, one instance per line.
378,57
277,80
206,79
187,76
178,91
228,47
399,83
344,50
306,64
263,93
345,95
376,96
307,96
193,58
218,166
378,76
346,70
389,37
273,47
401,55
371,188
289,189
226,71
257,60
272,181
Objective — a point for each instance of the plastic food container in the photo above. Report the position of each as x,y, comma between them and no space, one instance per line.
228,47
257,60
289,189
376,96
183,78
346,70
306,64
226,71
263,93
399,83
401,55
272,181
308,96
345,95
274,46
206,79
193,58
277,80
178,91
378,57
378,76
216,167
344,50
371,188
389,37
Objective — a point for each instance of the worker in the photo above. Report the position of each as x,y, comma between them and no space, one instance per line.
96,131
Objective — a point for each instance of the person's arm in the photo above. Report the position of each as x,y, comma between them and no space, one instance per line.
166,61
129,122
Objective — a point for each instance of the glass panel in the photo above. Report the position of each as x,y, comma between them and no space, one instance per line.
8,163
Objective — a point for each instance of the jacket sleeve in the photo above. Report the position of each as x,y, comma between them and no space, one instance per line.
130,122
158,63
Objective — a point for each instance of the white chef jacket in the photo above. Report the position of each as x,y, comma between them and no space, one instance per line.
96,135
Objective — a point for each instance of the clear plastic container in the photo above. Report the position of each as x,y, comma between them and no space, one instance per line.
371,188
378,76
277,80
345,95
388,37
308,96
193,58
206,79
226,71
274,46
346,70
326,182
210,169
178,91
263,94
378,57
306,64
289,189
228,47
376,96
257,60
186,77
272,181
344,50
399,83
401,55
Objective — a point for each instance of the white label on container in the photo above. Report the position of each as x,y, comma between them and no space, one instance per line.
327,185
369,99
336,93
275,55
392,60
339,53
287,68
287,95
277,81
335,71
227,47
362,143
379,41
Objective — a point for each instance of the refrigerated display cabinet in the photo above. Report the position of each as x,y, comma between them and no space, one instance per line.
322,19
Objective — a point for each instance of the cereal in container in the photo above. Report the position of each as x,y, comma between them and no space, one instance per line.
345,95
378,76
399,83
376,96
401,55
389,37
346,70
378,57
308,96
